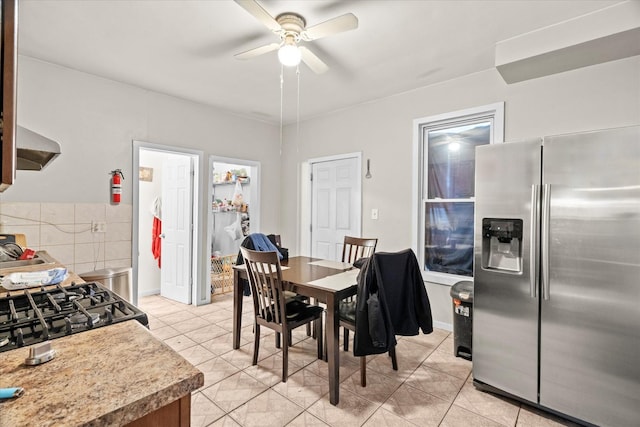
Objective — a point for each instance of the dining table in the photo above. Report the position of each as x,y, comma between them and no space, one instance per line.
325,280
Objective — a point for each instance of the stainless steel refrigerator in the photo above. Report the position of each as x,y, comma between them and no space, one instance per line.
556,316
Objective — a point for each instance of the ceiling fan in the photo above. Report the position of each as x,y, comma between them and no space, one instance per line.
292,29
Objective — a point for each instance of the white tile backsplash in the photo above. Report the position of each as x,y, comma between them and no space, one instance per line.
63,230
89,252
118,263
117,250
57,213
83,234
63,253
31,234
87,212
19,214
119,213
82,268
56,234
119,231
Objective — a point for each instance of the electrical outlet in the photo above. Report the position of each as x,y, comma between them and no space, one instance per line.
374,213
98,227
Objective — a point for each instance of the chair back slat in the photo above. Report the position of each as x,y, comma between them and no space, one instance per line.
265,279
270,305
356,247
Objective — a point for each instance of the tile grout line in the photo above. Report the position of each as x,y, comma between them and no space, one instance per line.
302,367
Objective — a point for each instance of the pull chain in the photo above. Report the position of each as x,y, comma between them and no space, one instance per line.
297,108
298,112
281,103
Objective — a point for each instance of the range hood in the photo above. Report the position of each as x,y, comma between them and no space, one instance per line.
34,151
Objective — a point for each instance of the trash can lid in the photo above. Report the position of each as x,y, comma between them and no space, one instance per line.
462,290
105,273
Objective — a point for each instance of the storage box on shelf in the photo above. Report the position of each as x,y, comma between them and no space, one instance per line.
222,273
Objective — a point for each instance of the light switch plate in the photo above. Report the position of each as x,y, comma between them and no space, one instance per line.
374,213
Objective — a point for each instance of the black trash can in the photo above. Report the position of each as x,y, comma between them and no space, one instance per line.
462,294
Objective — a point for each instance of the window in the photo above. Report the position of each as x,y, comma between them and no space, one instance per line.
445,162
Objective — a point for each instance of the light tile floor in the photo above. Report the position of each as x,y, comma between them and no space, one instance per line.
431,387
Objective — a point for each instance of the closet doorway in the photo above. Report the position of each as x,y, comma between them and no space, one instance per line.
234,186
166,223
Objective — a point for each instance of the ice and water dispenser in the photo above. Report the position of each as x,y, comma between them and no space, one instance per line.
502,244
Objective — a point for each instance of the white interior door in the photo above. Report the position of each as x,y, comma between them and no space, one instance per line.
335,205
176,228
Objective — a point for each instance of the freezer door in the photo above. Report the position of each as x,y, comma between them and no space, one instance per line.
505,311
590,311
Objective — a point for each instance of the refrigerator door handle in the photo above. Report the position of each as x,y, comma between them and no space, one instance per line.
544,247
533,241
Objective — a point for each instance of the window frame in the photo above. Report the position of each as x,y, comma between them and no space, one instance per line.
421,126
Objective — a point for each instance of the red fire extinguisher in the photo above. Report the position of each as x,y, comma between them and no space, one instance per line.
116,186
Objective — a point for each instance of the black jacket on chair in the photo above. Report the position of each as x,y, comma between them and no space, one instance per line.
392,300
249,243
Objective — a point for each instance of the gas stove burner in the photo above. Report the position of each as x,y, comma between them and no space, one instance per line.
62,297
64,301
35,317
79,320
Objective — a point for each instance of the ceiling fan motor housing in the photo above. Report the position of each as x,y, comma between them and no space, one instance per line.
292,25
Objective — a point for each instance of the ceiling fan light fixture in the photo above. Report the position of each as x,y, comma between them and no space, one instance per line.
291,28
289,55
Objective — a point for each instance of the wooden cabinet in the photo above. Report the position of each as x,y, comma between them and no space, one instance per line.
8,56
175,414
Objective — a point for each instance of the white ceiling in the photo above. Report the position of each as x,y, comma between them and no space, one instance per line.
185,48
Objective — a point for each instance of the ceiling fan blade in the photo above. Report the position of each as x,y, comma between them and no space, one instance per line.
257,51
262,15
312,61
342,23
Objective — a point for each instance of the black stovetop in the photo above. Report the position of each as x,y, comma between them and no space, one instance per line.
32,317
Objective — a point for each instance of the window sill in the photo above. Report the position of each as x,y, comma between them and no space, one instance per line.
443,278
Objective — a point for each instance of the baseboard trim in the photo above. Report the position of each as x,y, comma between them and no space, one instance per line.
442,325
148,293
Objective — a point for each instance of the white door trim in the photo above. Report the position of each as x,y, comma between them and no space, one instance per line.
255,190
306,211
254,209
199,269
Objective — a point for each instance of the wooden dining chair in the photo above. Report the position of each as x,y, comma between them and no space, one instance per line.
276,240
271,307
353,249
395,278
348,322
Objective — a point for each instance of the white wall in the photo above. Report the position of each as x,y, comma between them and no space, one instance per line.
600,96
95,121
148,270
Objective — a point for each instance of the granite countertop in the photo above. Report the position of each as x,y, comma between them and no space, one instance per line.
107,376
